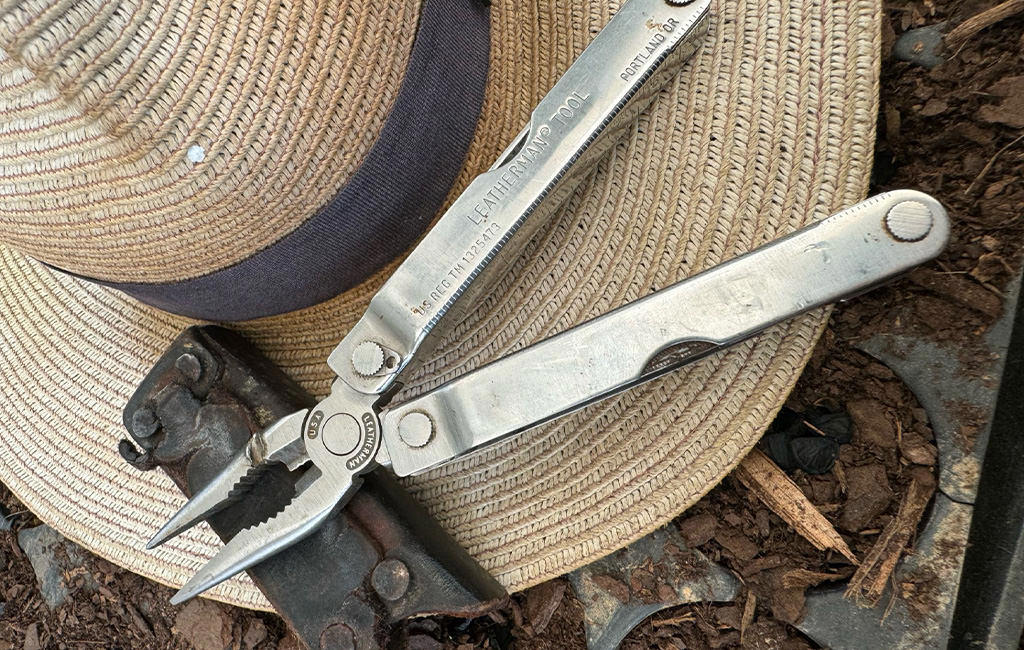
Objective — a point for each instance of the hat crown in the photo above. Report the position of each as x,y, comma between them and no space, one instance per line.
155,142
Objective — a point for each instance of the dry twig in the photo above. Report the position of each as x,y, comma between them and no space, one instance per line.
784,498
965,30
868,582
675,620
748,615
992,161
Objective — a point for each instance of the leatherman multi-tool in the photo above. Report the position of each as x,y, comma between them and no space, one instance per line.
354,429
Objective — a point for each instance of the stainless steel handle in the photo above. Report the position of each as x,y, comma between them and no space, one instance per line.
617,74
845,254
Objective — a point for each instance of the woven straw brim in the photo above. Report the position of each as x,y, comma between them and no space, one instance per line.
104,105
770,126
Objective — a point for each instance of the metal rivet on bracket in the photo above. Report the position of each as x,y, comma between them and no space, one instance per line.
390,579
189,366
144,423
337,636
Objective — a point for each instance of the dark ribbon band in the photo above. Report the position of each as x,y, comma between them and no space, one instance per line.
385,206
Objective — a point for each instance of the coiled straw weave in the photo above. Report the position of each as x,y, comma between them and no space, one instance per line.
770,126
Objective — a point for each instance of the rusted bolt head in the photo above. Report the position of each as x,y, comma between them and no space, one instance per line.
144,422
189,366
390,579
337,636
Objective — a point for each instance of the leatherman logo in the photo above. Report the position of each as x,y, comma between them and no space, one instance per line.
369,445
510,177
527,155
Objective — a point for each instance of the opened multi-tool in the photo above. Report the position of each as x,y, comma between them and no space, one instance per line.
354,430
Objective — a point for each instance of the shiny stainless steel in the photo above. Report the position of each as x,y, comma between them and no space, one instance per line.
845,254
280,442
343,437
616,76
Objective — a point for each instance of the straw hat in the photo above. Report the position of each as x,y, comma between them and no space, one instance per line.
153,153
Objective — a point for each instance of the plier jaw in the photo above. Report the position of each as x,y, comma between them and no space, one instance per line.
281,442
338,441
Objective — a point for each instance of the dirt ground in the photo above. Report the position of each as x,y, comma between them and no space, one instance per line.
957,132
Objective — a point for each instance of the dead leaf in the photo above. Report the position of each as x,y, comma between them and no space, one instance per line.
995,188
203,624
541,603
990,267
32,638
613,586
871,423
699,529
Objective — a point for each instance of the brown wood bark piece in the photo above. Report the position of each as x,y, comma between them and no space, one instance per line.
784,498
869,581
748,615
965,30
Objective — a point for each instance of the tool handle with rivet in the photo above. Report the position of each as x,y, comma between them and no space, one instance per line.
843,255
617,75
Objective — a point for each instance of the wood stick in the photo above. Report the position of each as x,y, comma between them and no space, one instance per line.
675,620
803,578
748,615
868,582
773,487
965,30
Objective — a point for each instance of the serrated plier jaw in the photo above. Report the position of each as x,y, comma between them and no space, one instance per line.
339,440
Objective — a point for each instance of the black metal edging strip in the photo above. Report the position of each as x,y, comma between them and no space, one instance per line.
990,602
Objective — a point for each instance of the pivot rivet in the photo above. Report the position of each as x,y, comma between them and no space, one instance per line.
909,221
416,429
144,423
341,434
337,636
189,366
368,358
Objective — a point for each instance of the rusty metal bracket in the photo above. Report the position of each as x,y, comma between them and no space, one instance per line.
935,374
689,575
380,560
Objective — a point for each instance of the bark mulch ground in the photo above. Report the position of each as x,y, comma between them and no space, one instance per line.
957,132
